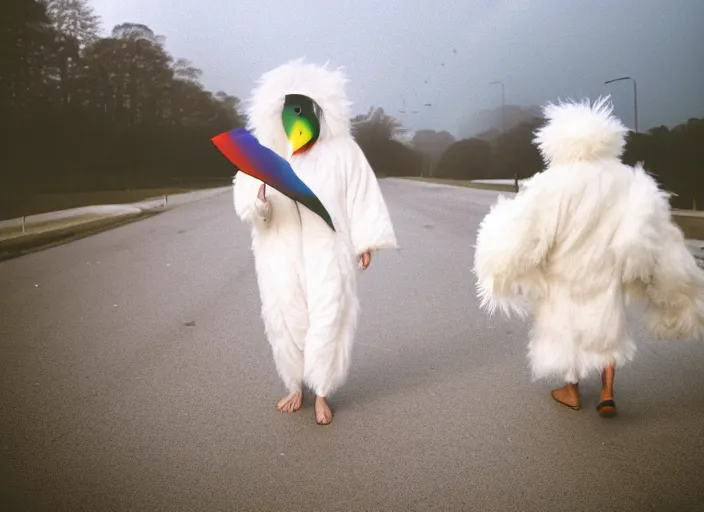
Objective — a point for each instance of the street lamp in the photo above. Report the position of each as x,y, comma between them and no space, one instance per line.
503,123
635,97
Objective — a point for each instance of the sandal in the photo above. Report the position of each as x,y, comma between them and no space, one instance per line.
606,408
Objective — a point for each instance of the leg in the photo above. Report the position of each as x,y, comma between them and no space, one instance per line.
289,365
552,352
568,395
327,361
333,309
607,406
288,357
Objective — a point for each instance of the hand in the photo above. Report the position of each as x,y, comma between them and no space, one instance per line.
262,205
365,259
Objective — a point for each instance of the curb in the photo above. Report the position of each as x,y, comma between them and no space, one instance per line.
24,244
688,213
19,246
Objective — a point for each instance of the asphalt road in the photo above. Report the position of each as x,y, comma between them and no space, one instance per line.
135,376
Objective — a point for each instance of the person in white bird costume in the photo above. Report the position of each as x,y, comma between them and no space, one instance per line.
306,272
577,244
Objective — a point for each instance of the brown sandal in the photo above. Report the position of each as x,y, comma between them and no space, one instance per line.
606,408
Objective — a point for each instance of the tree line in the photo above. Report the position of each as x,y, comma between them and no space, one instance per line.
673,156
83,111
89,112
93,112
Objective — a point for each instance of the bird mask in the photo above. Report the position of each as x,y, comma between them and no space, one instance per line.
301,120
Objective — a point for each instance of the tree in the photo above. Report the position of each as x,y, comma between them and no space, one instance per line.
376,125
184,71
377,133
109,112
674,158
492,119
24,34
74,19
514,153
136,32
229,107
430,145
466,159
511,154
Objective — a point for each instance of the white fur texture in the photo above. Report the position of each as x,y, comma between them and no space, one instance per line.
307,273
580,132
578,242
326,86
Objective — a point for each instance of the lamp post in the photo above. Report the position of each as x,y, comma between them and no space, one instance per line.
635,97
503,123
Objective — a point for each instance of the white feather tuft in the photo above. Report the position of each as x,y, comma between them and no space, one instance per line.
580,132
325,86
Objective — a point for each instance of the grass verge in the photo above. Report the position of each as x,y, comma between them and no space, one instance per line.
19,246
13,207
464,183
693,227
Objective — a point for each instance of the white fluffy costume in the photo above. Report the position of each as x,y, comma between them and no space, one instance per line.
579,241
306,272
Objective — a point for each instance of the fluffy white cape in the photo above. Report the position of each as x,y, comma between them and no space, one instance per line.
579,241
305,271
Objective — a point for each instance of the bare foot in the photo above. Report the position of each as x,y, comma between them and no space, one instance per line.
290,403
568,395
323,414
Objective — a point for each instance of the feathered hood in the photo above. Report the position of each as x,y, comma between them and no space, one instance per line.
325,86
580,132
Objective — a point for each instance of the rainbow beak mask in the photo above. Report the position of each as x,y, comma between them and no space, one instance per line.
243,150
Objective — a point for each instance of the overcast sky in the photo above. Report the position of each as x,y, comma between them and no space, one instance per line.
446,52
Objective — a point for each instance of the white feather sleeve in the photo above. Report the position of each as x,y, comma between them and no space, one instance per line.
676,284
513,240
370,223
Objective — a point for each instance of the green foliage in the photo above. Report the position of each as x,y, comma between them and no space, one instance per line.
467,157
493,155
377,133
432,144
88,112
674,157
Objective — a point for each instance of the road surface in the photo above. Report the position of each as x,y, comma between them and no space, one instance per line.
135,376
